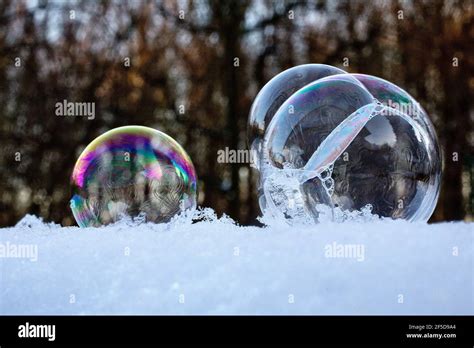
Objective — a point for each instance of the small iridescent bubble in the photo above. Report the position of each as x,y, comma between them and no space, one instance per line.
133,171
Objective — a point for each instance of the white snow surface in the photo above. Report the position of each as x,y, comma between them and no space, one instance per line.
215,266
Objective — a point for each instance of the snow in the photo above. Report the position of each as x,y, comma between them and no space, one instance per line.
214,266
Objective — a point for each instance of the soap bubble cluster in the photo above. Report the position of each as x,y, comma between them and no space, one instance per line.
343,144
132,172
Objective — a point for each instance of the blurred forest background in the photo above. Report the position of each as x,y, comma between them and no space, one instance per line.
183,53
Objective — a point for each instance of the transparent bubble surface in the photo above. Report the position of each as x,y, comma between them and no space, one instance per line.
134,172
275,93
346,144
268,101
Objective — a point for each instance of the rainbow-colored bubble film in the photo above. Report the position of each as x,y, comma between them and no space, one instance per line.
132,171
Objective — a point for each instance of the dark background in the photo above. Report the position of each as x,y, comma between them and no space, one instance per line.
426,47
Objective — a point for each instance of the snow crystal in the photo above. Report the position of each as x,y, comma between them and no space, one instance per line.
214,266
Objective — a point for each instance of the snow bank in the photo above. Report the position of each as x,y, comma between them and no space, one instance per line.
216,267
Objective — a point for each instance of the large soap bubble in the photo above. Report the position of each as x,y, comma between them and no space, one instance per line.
132,171
338,146
270,98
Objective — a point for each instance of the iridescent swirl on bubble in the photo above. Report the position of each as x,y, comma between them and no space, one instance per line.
132,171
